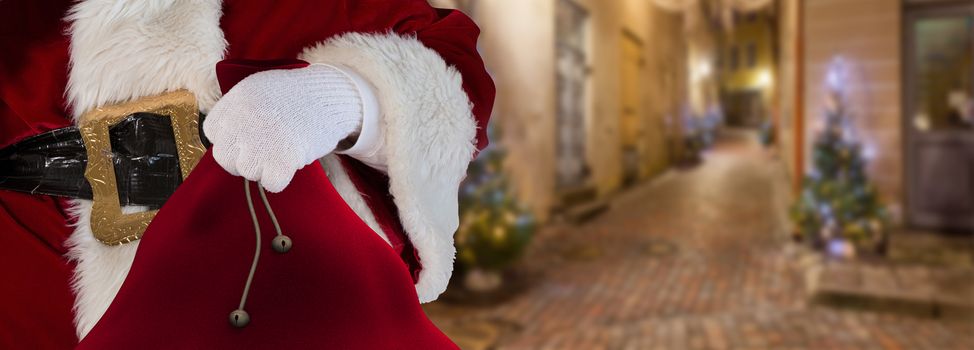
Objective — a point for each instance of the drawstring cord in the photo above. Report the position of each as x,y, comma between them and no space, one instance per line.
240,318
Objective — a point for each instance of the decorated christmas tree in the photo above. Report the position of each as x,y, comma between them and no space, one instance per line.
494,228
839,209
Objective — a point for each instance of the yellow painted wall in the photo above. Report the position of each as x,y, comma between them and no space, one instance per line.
758,31
663,83
604,152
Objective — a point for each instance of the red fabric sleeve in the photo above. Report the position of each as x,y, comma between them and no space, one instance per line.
231,72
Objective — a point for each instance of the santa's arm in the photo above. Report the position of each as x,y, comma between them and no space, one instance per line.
407,80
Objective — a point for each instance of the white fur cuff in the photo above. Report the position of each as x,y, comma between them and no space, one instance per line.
428,135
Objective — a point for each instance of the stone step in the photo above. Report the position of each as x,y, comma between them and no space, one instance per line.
918,290
574,196
579,204
583,213
912,246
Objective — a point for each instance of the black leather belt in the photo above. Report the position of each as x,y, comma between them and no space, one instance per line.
144,154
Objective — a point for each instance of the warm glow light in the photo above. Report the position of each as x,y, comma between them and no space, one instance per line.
705,68
702,70
765,79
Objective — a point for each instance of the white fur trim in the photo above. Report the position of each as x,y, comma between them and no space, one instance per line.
343,184
100,269
123,50
429,134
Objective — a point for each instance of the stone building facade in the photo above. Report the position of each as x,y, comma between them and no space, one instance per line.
590,93
923,169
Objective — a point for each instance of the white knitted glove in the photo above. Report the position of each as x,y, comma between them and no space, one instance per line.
275,122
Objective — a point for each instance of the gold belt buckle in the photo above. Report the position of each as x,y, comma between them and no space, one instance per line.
108,224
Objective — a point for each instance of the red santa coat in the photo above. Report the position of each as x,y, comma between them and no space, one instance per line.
61,59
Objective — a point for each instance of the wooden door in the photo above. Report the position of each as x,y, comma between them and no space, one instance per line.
572,79
939,106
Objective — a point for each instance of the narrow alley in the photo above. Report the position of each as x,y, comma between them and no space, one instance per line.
695,258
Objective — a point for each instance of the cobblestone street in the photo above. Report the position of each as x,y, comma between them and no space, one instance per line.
694,259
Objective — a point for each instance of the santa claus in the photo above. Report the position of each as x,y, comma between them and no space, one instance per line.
236,173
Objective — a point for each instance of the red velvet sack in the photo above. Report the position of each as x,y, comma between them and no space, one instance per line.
340,286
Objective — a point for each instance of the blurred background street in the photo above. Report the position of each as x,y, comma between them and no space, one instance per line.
690,260
720,174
